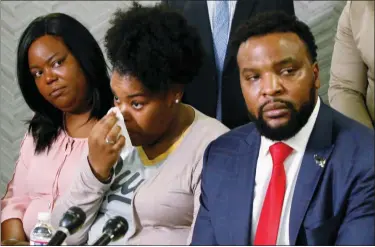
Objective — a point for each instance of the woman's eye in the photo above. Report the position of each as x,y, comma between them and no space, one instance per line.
57,63
37,74
137,106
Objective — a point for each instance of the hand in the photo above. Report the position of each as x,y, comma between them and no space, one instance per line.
12,242
105,146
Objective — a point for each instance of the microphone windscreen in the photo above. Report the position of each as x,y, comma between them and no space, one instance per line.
73,219
116,227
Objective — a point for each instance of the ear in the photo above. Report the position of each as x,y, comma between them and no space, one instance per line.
175,94
316,79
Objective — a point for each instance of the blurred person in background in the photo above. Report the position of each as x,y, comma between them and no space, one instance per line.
351,86
64,80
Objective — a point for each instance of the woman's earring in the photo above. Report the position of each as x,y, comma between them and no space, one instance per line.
177,101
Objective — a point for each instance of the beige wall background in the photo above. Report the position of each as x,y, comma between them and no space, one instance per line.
321,16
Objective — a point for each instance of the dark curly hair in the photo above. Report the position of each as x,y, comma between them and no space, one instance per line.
47,122
274,22
154,44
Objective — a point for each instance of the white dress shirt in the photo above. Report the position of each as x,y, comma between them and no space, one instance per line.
211,12
292,165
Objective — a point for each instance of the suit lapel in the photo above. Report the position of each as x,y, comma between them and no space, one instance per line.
317,153
240,200
243,10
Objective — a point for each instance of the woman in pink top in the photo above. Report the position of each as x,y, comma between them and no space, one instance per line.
63,77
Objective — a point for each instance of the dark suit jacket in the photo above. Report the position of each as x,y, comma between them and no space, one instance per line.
202,92
334,205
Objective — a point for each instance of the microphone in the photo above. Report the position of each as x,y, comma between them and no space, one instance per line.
69,224
113,230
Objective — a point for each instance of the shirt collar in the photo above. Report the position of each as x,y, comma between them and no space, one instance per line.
299,141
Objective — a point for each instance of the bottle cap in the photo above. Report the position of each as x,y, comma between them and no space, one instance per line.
44,216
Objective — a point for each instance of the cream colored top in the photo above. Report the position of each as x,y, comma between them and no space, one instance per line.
165,205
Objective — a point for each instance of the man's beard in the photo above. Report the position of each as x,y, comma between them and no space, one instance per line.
297,120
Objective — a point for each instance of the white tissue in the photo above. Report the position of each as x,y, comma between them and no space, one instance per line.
120,122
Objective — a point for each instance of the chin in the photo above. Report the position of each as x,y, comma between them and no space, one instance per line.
279,132
137,144
136,140
65,106
277,123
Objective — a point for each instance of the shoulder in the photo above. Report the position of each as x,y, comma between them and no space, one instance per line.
234,139
358,8
352,160
351,130
207,131
353,141
207,128
27,143
359,13
200,134
27,149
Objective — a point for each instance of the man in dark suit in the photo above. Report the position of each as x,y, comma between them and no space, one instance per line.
301,173
216,90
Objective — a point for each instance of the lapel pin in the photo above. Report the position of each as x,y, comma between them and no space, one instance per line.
320,161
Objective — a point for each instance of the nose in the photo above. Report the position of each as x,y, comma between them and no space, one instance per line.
272,85
50,76
124,111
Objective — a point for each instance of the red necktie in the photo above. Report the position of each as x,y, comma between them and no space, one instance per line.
268,226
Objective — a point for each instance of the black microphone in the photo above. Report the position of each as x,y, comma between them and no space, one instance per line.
113,230
69,224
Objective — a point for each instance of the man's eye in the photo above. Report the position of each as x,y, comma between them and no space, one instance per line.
287,71
252,78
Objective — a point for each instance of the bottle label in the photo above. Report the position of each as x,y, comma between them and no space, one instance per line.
38,242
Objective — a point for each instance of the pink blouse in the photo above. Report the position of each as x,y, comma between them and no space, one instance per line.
40,179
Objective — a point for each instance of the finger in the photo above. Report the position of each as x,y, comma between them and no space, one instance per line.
113,134
104,127
120,143
9,242
103,119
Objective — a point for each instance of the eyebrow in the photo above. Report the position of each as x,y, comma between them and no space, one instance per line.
132,95
284,61
247,70
48,60
136,95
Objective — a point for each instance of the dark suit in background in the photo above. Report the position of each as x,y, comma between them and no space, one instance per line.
203,92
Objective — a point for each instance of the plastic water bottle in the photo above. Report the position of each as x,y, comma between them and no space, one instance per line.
43,230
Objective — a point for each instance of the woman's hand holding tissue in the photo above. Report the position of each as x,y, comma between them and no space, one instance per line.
105,144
